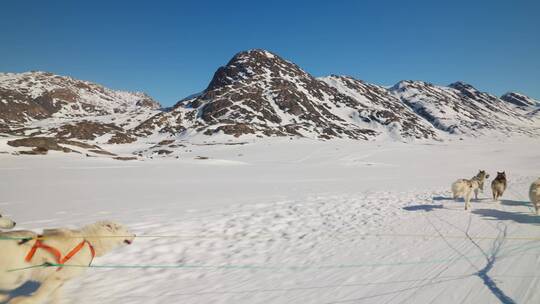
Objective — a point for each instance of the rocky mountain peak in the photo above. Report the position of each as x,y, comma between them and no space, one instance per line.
405,85
465,88
253,65
520,100
460,85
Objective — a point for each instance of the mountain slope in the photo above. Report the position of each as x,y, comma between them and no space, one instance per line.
520,100
462,109
52,109
38,95
378,107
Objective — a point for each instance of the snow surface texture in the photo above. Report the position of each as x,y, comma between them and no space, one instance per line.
290,222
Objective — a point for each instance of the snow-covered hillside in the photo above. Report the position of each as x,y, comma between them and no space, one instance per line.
462,109
376,106
520,100
37,95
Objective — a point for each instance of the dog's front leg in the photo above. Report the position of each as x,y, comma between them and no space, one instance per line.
44,292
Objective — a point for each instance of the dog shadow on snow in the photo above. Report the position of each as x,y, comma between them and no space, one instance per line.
428,207
433,207
501,215
425,207
515,203
25,290
442,198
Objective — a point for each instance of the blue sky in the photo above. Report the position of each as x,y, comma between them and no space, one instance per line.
170,49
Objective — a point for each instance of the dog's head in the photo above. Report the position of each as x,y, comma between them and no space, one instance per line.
6,223
482,174
501,175
107,235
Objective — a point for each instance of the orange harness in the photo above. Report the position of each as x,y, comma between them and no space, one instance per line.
57,254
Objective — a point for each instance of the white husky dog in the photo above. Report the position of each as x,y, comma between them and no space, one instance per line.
54,246
534,195
465,188
6,223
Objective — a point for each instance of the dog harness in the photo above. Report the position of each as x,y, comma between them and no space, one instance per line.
57,254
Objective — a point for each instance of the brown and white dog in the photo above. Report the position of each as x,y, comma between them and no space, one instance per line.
69,247
498,185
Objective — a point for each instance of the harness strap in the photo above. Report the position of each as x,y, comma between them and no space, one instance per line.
57,254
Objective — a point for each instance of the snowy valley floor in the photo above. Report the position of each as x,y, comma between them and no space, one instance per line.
294,222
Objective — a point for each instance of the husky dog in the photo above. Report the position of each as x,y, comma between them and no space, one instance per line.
498,185
54,246
464,188
534,195
6,223
480,177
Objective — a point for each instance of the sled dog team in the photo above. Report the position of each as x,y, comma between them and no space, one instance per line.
464,188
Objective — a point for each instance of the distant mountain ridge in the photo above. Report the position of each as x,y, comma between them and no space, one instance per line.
259,94
39,95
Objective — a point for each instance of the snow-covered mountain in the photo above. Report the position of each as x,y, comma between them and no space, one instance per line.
261,94
520,100
381,109
461,109
38,95
530,106
258,94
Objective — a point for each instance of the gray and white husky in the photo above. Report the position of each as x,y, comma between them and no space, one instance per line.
498,185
